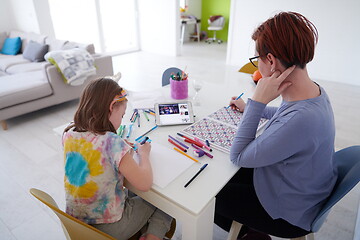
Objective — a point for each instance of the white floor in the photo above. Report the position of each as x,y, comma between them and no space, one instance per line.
31,153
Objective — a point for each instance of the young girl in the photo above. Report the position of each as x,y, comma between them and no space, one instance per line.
96,162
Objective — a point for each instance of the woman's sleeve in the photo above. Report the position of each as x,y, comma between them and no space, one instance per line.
269,112
280,140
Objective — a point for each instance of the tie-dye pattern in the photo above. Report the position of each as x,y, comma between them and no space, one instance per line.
93,184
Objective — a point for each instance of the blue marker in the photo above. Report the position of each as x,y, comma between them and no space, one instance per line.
130,128
144,141
146,133
236,99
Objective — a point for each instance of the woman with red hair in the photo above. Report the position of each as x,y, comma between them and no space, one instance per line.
287,172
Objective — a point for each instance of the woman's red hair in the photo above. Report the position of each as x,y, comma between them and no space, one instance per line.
289,36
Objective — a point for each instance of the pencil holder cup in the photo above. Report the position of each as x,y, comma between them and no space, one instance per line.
179,89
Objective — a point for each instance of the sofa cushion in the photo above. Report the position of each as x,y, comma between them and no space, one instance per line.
26,37
23,87
26,67
35,51
8,60
55,44
11,46
3,36
88,47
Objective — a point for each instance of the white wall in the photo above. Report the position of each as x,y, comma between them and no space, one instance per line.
43,17
338,50
6,16
159,26
24,16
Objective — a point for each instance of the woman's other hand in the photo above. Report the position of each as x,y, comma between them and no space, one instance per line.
238,105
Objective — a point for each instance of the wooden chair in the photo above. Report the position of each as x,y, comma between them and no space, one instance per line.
73,228
348,163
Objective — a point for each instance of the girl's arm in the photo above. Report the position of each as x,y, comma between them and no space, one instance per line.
139,175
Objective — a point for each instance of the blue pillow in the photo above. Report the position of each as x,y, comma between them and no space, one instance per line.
11,46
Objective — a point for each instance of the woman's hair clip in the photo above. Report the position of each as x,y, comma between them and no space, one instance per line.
121,97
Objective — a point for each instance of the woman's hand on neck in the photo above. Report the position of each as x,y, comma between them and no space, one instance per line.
302,87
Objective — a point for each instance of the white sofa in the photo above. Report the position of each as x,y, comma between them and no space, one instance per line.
27,86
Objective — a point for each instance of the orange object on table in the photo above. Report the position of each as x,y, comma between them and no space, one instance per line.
256,76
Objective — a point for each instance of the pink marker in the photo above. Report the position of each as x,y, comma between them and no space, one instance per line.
202,143
206,153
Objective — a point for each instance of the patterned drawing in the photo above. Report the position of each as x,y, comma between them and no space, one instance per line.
218,128
229,116
218,134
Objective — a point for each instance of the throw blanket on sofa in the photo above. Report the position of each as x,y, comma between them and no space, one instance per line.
76,64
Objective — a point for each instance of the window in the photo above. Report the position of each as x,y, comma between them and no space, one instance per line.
110,24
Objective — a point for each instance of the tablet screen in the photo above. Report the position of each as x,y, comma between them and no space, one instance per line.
174,113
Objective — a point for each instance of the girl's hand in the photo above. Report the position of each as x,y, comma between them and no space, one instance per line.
238,105
129,143
144,149
269,88
131,152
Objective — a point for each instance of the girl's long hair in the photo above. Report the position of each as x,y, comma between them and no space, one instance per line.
93,111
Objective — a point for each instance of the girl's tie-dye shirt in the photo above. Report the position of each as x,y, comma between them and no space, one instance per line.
93,183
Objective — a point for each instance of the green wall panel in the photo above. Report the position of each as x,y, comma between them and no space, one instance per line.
215,7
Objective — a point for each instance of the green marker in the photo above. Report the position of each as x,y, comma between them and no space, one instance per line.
146,116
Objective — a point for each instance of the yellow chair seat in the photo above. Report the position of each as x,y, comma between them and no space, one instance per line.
248,68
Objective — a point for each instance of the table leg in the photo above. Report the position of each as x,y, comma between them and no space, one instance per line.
194,227
182,33
198,31
200,227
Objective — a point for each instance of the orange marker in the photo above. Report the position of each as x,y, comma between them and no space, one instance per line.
186,154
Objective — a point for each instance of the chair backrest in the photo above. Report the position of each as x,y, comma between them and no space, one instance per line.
167,73
73,228
218,22
348,164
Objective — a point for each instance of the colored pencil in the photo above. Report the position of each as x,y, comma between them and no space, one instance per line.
206,153
200,170
146,133
123,131
178,142
193,142
178,150
130,129
138,119
177,145
144,140
133,115
202,143
146,116
236,99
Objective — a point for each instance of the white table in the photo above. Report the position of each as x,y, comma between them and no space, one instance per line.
186,21
194,206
